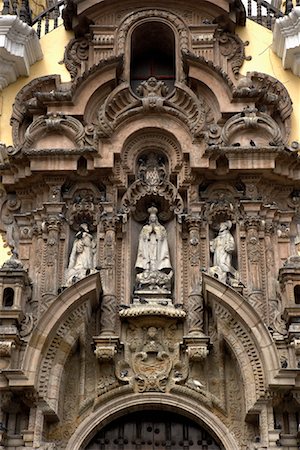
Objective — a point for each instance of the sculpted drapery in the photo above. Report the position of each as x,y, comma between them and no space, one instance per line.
153,264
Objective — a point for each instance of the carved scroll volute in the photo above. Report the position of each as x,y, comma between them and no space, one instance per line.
195,299
108,277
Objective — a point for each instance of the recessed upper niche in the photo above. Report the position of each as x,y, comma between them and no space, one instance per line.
152,54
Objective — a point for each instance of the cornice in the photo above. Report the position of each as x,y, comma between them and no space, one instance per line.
286,40
19,49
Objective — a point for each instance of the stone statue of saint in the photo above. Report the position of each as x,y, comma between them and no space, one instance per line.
222,247
82,257
153,265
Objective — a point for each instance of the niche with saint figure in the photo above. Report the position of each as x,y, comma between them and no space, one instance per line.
153,232
222,248
152,55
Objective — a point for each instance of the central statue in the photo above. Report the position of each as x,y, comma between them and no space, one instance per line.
153,265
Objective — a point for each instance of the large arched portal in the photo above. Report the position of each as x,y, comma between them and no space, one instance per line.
152,429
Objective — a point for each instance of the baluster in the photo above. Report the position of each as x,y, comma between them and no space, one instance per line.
56,16
5,9
23,12
47,23
249,8
259,18
15,7
39,28
288,6
269,18
28,13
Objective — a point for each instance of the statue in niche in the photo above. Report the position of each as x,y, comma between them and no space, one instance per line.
82,257
222,248
153,265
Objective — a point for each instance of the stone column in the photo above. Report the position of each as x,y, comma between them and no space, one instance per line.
196,342
107,342
108,274
195,298
51,230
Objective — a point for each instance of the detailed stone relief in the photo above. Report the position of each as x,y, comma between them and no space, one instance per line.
203,162
153,358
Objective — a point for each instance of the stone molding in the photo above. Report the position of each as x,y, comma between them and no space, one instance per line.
19,49
286,40
127,402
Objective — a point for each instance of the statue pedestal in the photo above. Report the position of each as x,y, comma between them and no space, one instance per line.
144,297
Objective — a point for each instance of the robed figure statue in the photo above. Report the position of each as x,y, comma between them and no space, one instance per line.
153,265
222,247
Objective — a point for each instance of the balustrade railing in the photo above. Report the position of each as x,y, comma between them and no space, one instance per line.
261,11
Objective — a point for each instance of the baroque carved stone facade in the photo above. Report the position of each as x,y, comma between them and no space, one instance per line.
152,208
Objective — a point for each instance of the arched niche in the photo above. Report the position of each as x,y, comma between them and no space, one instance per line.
152,54
184,406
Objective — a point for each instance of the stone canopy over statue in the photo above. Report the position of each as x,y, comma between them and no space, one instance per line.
153,266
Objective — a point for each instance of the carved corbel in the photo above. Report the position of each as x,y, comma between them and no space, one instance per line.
106,348
197,347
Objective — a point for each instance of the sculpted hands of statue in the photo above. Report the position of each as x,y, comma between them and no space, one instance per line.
82,257
153,265
222,247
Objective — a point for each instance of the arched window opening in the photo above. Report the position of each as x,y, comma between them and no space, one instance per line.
297,294
152,55
8,297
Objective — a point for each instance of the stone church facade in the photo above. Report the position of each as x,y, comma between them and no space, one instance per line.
152,205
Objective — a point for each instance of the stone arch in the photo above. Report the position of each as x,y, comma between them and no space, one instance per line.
130,402
245,330
131,21
57,327
167,125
